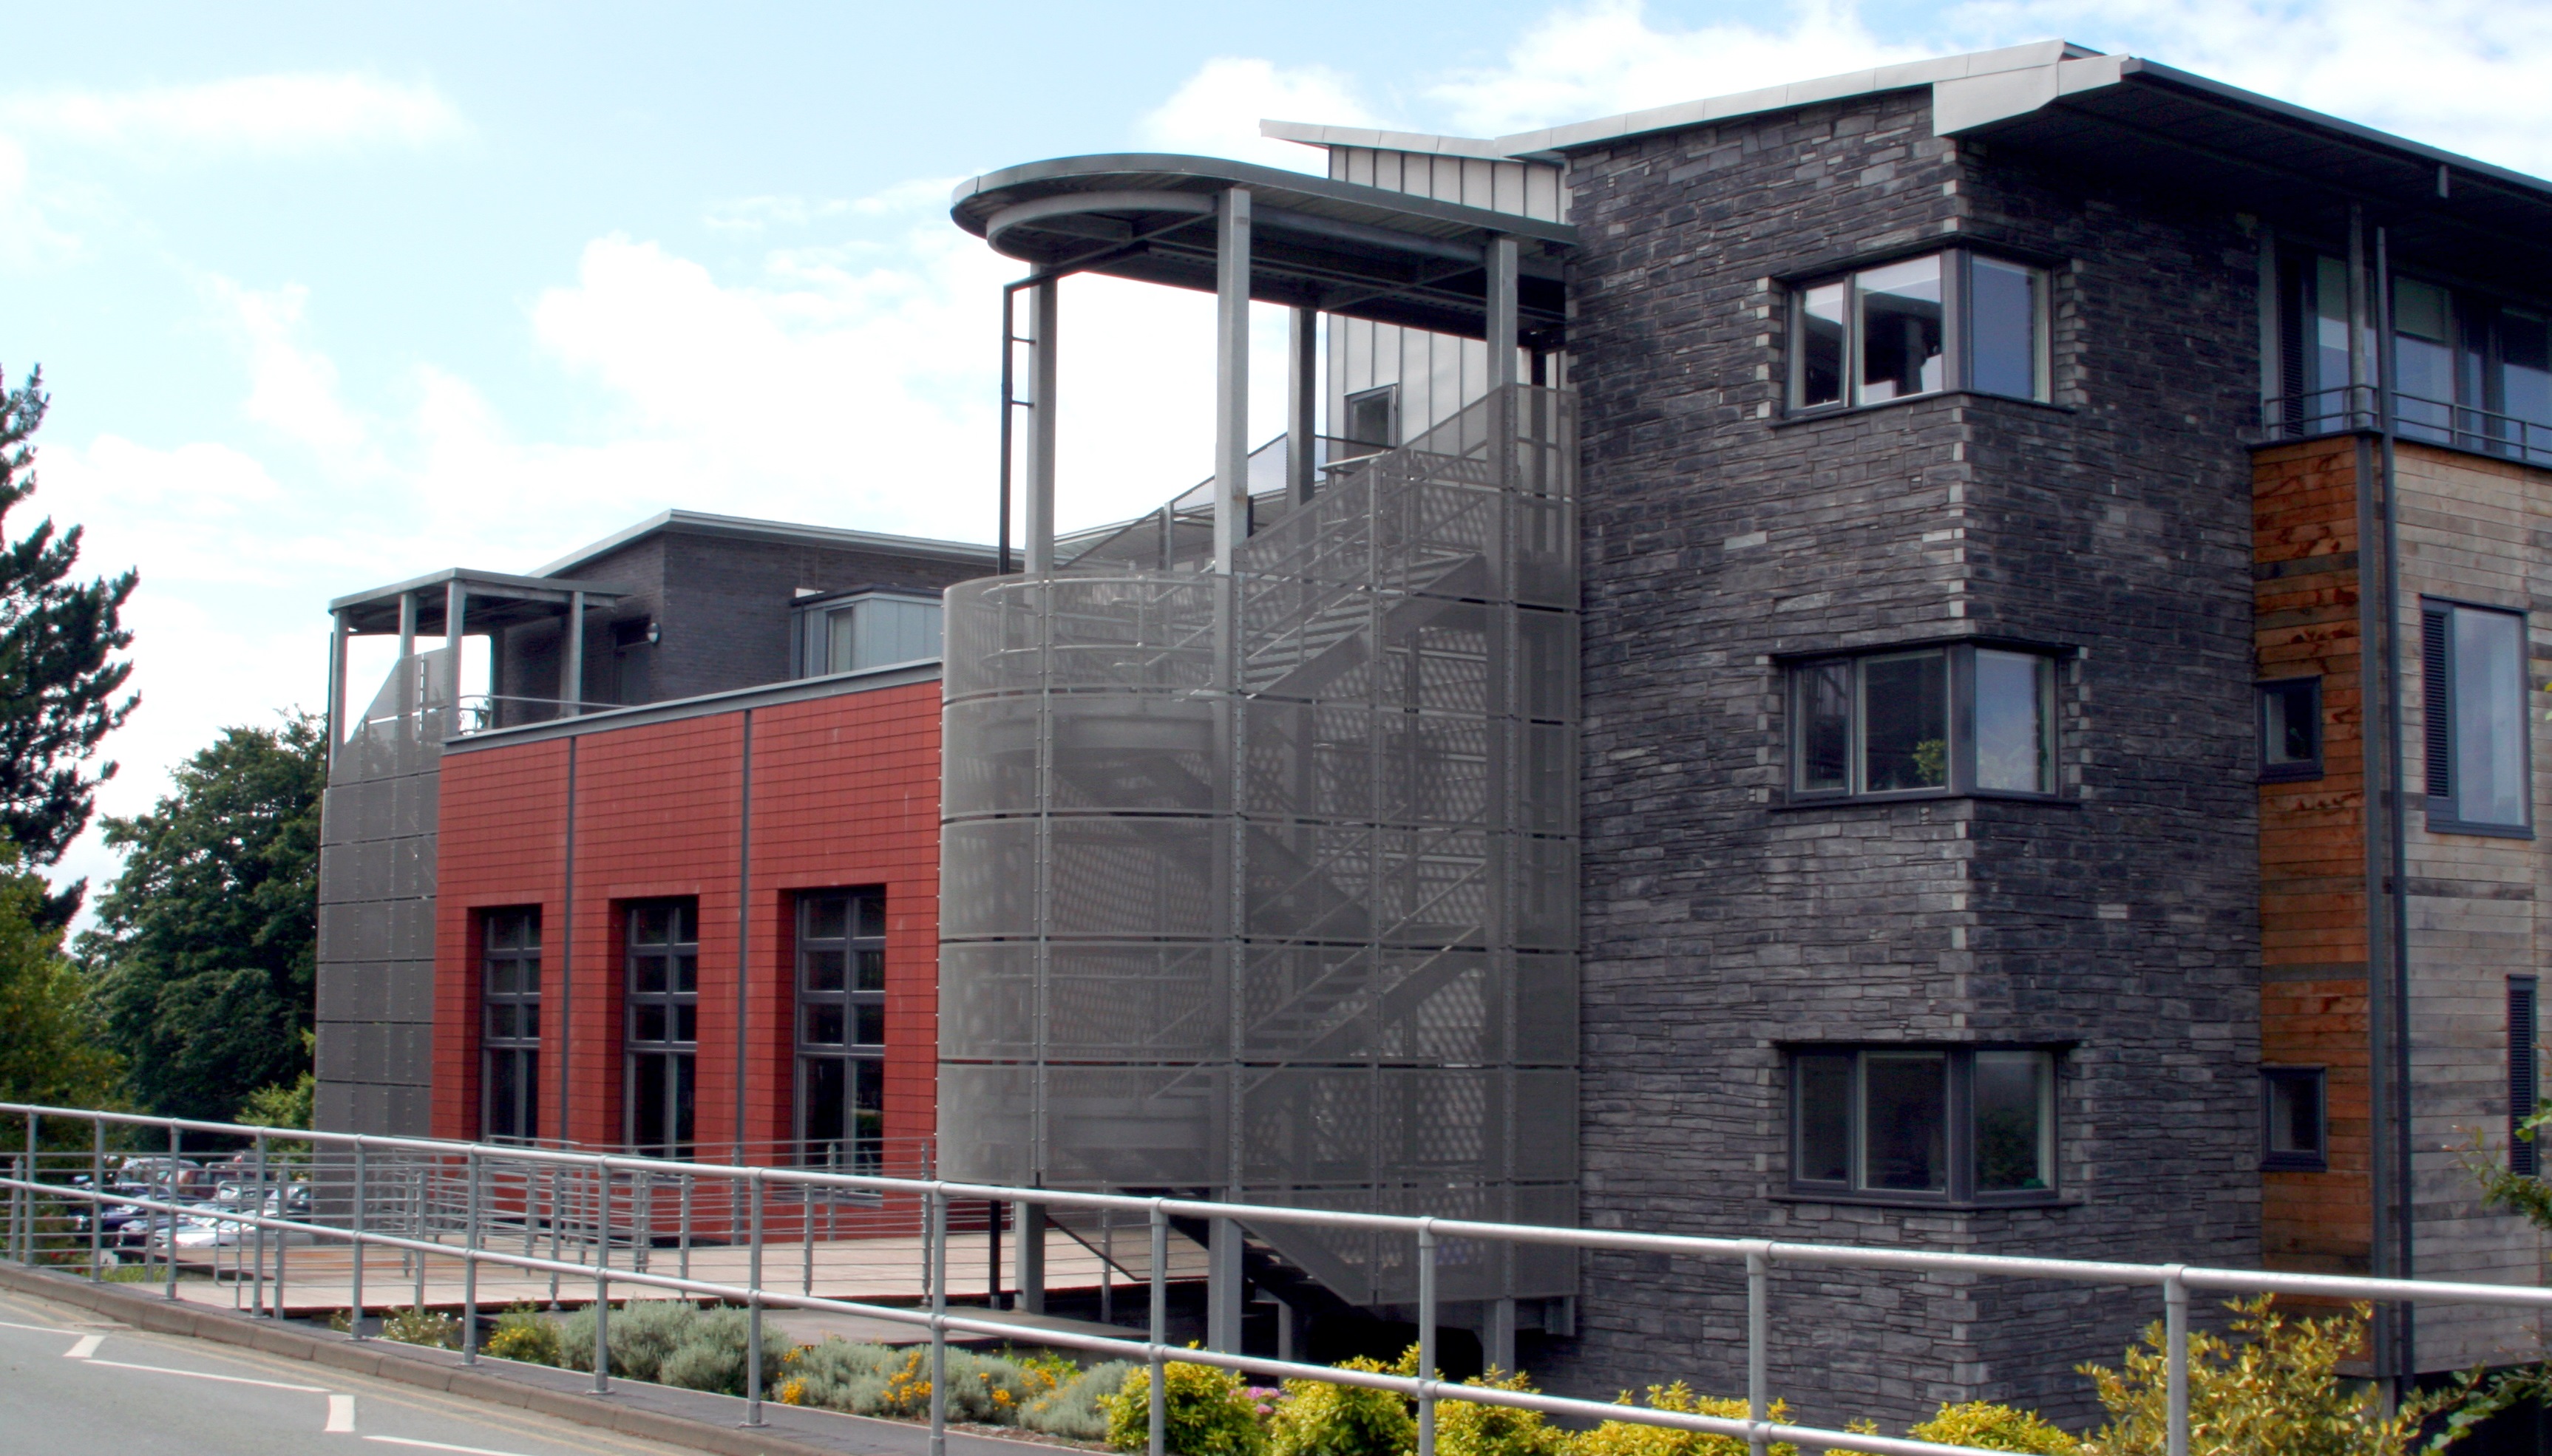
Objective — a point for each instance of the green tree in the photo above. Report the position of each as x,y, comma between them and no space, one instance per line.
61,690
206,952
52,1048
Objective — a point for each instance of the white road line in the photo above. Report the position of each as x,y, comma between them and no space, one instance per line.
341,1416
86,1348
441,1446
235,1380
38,1329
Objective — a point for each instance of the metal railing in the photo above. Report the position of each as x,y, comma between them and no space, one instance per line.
488,1172
2348,407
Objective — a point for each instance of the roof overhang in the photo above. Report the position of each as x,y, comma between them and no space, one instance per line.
496,599
1339,247
778,532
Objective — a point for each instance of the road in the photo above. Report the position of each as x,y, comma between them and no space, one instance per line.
72,1381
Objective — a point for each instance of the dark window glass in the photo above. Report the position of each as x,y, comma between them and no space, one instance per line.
2525,367
1954,1124
842,1028
1824,1119
1824,706
1905,1110
2290,728
2292,1117
1905,721
1900,328
510,1025
1371,418
1822,312
2003,313
660,970
2474,695
2015,721
2015,1117
2423,352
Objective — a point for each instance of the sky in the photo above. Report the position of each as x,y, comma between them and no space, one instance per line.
328,296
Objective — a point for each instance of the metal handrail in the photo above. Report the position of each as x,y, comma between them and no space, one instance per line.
2343,408
1758,1256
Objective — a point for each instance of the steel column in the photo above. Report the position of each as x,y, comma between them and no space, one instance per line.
572,668
1230,376
753,1314
1759,1322
1301,403
1031,1226
470,1268
1426,1336
935,1241
1159,1337
2175,1307
455,610
1045,298
336,688
1504,263
354,1298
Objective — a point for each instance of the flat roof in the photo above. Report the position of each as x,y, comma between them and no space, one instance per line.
790,533
496,599
1340,247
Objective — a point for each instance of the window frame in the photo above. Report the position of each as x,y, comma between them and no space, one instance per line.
2290,1160
681,1055
2441,732
1958,331
861,1061
1959,766
1960,1135
2301,770
522,1050
810,628
1390,396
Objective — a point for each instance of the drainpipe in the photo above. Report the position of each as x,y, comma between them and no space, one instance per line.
2398,849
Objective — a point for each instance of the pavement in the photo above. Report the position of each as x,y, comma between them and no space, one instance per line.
88,1366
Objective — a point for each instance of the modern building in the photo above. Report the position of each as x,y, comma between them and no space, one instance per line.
1939,657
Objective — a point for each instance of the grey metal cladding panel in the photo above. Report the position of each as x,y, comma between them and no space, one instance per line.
412,929
337,1055
411,991
331,1107
1546,1008
1136,1002
1132,1127
995,1106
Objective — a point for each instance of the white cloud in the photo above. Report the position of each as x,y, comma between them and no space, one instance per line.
285,114
1217,113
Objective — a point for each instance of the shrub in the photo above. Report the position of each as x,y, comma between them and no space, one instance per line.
422,1327
712,1354
1469,1429
523,1333
876,1380
2279,1392
1634,1438
1077,1408
840,1375
643,1332
1991,1427
1208,1411
1320,1419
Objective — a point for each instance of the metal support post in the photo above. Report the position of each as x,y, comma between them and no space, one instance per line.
571,670
2175,1316
257,1234
354,1298
456,606
602,1281
417,1216
1301,403
406,669
97,1200
470,1265
1230,376
1044,300
336,686
753,1312
935,1241
992,1253
1223,1287
1758,1333
685,1235
1160,1336
1106,1265
1427,1337
176,1146
1031,1221
1501,1339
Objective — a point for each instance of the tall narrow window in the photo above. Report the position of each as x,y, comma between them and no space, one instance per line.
2006,329
2296,1118
1956,719
2423,352
1953,320
662,963
509,969
841,1029
2524,1088
2015,693
1902,333
2473,678
1922,1122
2291,729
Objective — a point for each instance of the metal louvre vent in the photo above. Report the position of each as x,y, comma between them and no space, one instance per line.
2436,704
2525,1157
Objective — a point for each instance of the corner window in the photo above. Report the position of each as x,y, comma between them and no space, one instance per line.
2290,730
509,969
2473,676
1947,1123
1953,320
1956,718
853,632
662,964
2293,1116
841,1029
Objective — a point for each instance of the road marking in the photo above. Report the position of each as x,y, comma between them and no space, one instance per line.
441,1446
341,1416
235,1380
86,1348
38,1329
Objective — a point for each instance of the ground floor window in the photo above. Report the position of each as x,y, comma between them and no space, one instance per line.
1930,1122
841,1029
509,969
662,964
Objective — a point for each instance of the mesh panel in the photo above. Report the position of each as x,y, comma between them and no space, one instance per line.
1263,884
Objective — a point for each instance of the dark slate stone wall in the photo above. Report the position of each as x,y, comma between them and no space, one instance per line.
1720,925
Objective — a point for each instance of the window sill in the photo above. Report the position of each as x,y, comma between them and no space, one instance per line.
1919,797
1790,417
2293,1163
2292,773
2438,824
2053,1199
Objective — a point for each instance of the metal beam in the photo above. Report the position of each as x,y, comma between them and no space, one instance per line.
1230,376
1302,401
1045,297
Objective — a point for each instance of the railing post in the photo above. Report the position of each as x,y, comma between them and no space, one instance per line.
96,1200
602,1279
33,1164
936,1242
257,1234
1160,1413
685,1234
168,1196
752,1317
1758,1322
1427,1337
417,1216
2175,1316
469,1267
355,1293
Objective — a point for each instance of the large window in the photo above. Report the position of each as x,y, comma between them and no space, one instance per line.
857,631
1950,320
1959,1124
841,1029
509,971
1956,719
2473,667
662,963
2470,371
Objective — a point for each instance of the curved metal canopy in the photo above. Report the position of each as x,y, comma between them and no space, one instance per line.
1337,246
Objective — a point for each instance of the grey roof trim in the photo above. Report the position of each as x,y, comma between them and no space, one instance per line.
1316,134
1900,77
540,588
973,207
800,690
745,528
